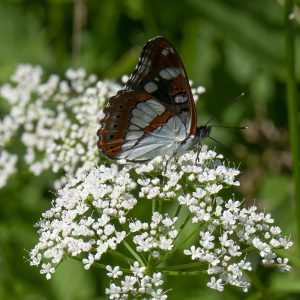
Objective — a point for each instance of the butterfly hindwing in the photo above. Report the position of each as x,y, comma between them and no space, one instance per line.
129,117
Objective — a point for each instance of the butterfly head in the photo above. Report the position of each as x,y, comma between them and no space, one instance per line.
203,131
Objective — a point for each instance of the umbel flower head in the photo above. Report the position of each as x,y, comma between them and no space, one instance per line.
96,215
93,217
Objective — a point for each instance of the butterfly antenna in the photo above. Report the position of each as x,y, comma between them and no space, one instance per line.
239,96
230,127
233,101
236,99
209,121
217,142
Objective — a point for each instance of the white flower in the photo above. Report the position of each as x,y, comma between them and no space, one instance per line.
47,269
128,284
283,264
88,261
216,284
114,291
275,230
157,279
137,284
194,252
7,165
113,272
161,235
159,295
137,270
206,240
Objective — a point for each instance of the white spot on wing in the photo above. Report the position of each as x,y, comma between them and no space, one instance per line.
133,135
170,73
144,113
151,107
165,52
139,122
133,127
127,145
146,108
181,98
144,65
137,112
150,87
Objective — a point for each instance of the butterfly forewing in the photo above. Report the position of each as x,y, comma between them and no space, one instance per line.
161,73
154,111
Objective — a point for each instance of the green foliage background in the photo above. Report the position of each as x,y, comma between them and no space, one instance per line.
229,46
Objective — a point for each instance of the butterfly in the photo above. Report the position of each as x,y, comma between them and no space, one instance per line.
155,114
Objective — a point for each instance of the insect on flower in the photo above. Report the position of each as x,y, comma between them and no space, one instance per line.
155,114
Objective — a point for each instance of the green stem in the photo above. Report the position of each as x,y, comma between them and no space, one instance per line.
121,256
168,254
292,104
134,254
153,205
179,273
178,210
185,222
160,204
183,266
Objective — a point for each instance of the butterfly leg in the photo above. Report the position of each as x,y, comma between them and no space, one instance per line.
168,162
176,160
198,153
166,166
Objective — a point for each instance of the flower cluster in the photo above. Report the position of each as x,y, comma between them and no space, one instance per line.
139,284
157,236
7,166
57,119
82,219
92,215
224,252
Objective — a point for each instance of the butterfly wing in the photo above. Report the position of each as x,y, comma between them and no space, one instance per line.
161,73
154,111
